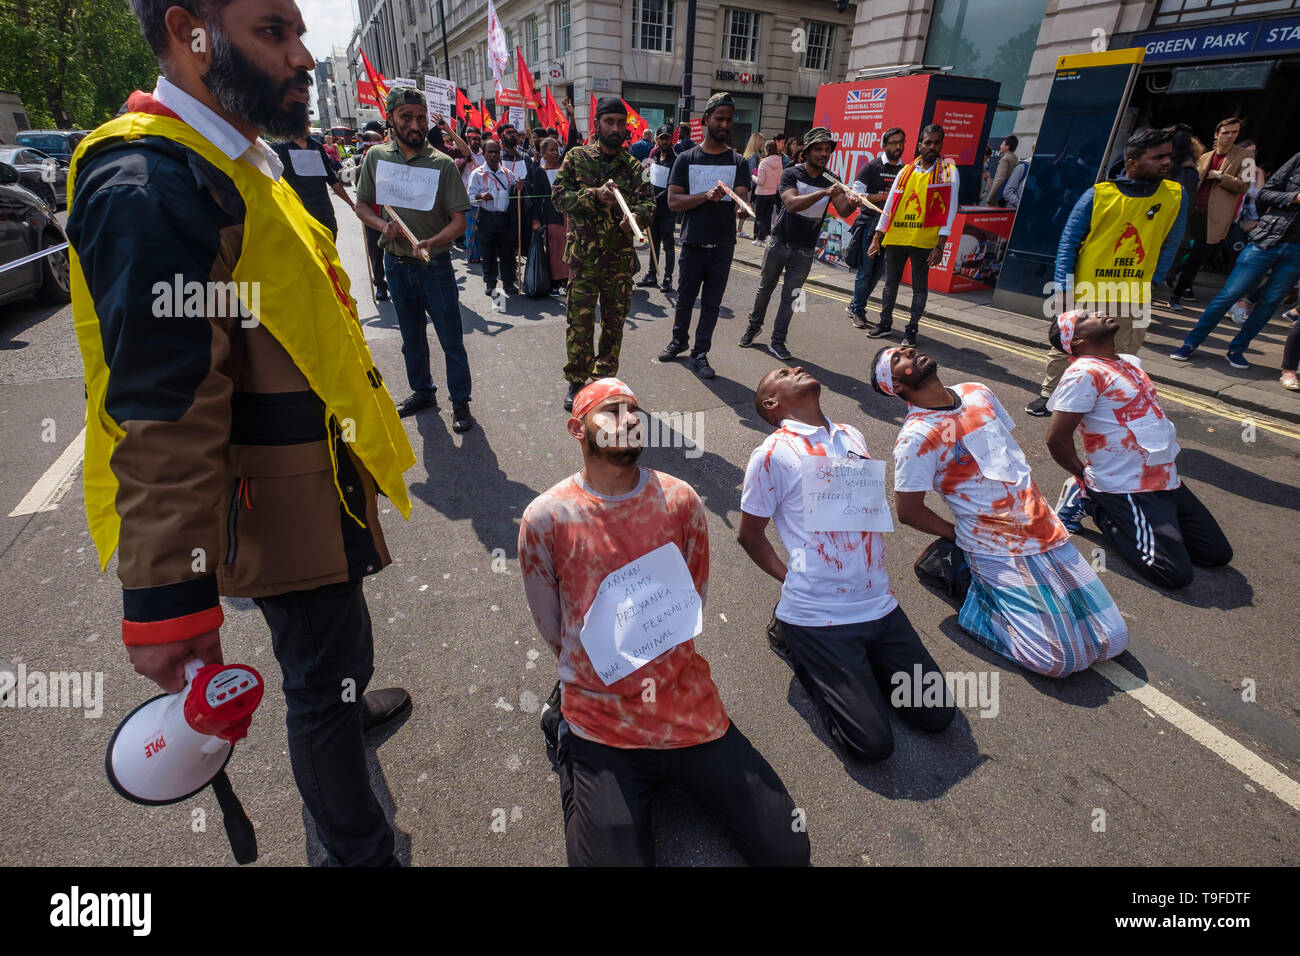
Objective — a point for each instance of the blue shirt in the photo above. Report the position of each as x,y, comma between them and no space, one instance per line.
641,149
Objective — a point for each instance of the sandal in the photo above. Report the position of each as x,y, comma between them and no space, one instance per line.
1289,381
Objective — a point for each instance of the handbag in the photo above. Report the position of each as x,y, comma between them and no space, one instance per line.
853,251
943,565
537,272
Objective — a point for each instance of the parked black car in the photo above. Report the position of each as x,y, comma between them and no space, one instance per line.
27,226
59,143
39,172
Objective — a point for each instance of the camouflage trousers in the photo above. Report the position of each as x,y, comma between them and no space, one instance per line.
587,286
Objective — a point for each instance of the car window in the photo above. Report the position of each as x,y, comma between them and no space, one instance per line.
50,141
9,156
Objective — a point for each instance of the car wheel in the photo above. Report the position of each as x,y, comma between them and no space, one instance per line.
47,194
56,276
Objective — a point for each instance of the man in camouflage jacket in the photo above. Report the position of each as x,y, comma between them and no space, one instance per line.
599,249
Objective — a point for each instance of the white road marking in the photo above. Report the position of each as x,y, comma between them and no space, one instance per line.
1204,733
56,481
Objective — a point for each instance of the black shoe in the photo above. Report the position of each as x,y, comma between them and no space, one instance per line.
909,340
648,280
667,286
1038,408
881,332
417,402
461,419
383,707
700,363
510,289
490,290
574,389
381,293
779,350
671,351
747,339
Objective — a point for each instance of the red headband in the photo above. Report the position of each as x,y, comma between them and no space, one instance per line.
597,392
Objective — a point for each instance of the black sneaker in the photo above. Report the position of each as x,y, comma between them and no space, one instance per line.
700,363
648,281
1038,407
417,402
574,389
881,332
667,286
909,340
747,339
461,419
779,350
859,319
671,351
381,293
511,290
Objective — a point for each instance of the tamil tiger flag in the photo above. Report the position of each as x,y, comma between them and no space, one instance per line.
465,109
489,124
379,86
525,82
636,123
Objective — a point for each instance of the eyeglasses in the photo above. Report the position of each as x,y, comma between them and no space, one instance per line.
895,142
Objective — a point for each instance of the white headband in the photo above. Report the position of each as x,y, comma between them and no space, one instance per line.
885,372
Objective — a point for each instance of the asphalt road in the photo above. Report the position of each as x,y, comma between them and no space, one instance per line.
1148,742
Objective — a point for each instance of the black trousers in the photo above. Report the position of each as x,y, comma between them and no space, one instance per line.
704,273
895,258
1161,534
763,206
376,255
323,642
497,239
661,240
848,670
1291,351
1196,229
607,795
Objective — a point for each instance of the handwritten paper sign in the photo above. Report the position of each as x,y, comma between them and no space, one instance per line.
704,177
817,209
440,94
1156,436
407,187
659,175
642,610
307,162
845,494
996,452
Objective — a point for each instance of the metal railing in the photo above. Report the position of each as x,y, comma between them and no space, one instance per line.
34,257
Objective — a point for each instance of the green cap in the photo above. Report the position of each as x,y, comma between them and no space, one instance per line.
818,134
716,100
402,96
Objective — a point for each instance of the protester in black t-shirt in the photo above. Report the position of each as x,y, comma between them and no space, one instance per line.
708,228
874,179
658,168
805,192
309,170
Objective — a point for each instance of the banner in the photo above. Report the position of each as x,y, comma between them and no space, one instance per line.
366,95
962,125
377,85
498,53
441,96
516,117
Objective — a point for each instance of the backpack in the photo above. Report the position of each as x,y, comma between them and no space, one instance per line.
943,565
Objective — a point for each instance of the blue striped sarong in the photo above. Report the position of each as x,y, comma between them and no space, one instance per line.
1048,612
472,248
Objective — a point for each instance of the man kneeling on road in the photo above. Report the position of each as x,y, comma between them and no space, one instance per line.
615,561
846,635
1129,485
1032,597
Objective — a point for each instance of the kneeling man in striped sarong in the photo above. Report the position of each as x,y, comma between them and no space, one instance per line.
1032,597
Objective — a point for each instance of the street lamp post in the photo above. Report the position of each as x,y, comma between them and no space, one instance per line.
688,77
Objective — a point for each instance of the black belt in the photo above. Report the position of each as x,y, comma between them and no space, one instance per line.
412,261
276,418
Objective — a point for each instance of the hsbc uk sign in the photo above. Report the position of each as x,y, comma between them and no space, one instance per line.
734,77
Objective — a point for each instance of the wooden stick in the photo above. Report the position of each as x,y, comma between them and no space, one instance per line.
636,230
854,194
748,209
410,236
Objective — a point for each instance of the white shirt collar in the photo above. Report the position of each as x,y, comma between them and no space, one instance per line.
216,130
803,428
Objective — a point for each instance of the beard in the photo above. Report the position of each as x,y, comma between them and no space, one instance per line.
720,136
246,91
612,141
622,457
413,137
925,373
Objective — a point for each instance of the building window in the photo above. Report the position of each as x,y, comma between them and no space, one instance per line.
530,40
740,36
1194,11
563,29
821,40
471,68
652,25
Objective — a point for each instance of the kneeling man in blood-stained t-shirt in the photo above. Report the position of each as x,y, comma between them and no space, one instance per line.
1032,597
849,642
1129,484
615,562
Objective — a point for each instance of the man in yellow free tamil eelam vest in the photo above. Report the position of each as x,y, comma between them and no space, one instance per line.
237,429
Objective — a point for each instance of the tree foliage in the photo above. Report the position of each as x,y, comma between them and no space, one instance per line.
73,62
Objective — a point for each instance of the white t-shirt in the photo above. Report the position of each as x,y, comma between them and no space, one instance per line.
833,577
968,456
1129,444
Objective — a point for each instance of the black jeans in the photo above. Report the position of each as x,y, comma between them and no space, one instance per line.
497,239
895,258
763,206
704,273
1291,351
1196,257
323,642
795,263
606,794
661,241
848,670
376,257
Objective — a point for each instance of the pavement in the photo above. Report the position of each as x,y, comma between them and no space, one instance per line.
1183,751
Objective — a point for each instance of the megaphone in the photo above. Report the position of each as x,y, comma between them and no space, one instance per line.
174,745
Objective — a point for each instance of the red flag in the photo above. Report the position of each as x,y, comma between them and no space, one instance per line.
465,109
377,80
558,118
636,123
591,119
366,94
525,80
489,124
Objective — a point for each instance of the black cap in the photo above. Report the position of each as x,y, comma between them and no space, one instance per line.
610,104
664,130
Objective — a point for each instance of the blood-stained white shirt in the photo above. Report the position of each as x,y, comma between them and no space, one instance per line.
1128,443
832,577
967,455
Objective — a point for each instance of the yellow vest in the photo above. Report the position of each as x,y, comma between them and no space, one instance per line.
1119,255
303,302
918,205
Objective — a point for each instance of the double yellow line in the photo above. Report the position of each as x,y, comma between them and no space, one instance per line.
1167,392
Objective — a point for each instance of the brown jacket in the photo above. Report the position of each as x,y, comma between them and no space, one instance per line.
1225,195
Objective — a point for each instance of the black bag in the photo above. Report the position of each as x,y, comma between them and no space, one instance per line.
943,565
853,251
551,727
537,271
